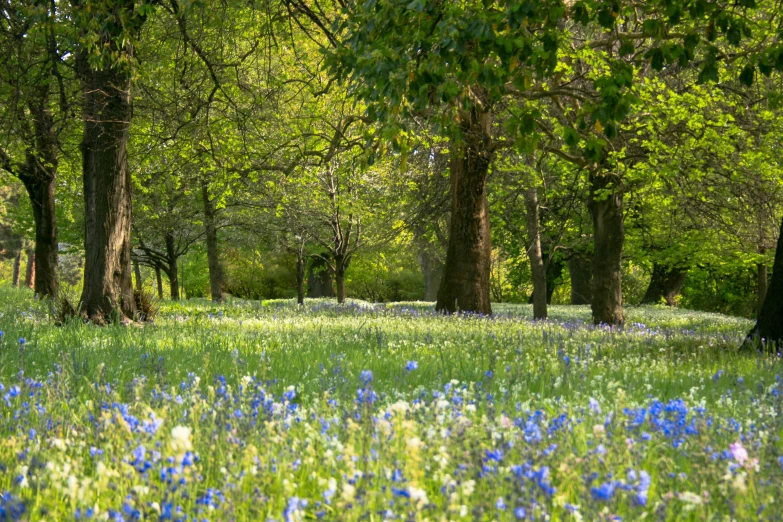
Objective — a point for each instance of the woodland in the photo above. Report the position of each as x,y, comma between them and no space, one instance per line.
601,152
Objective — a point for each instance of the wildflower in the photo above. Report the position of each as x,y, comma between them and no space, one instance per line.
411,365
603,492
500,503
520,513
739,453
595,407
180,439
22,342
366,376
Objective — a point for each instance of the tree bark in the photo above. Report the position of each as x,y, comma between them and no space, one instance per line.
580,268
29,276
300,278
159,281
665,284
465,286
17,268
40,185
339,279
108,284
534,254
173,272
137,273
769,326
606,207
762,283
215,271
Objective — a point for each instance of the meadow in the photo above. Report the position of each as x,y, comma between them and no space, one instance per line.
265,411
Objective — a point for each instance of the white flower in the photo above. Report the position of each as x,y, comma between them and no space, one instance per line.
349,492
180,439
418,496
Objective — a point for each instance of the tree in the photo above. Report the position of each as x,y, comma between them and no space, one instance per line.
34,82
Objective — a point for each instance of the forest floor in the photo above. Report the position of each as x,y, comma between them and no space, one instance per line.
260,410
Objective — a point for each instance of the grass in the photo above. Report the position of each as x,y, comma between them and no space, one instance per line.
262,410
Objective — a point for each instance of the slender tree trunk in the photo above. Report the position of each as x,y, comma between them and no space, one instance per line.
431,269
17,268
108,283
465,284
769,325
29,276
665,284
554,276
159,281
339,279
580,268
215,271
137,272
171,255
762,282
606,207
534,254
40,186
300,278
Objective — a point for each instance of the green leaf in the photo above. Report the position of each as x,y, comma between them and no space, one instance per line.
747,75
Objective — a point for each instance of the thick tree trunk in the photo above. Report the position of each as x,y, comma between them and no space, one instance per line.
606,207
665,284
762,283
339,279
17,268
108,283
300,279
215,271
534,254
769,326
137,273
40,186
29,275
171,255
159,281
580,268
465,286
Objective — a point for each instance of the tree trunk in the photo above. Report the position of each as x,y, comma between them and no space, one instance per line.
339,279
431,270
137,272
769,326
319,279
580,268
17,268
534,254
554,276
159,281
29,275
215,272
606,207
171,257
465,286
40,186
762,282
300,278
108,283
665,284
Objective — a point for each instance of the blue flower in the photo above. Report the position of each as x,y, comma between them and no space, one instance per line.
603,492
366,376
22,341
411,365
520,513
488,374
500,504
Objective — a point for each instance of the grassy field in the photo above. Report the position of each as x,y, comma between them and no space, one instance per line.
263,411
